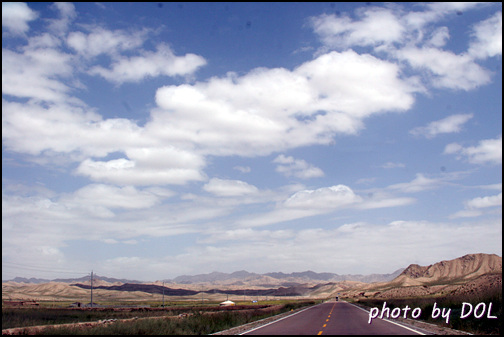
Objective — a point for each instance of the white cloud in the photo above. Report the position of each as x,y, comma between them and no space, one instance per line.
67,14
296,167
476,207
127,197
435,11
65,129
419,184
449,124
15,17
305,203
162,62
483,202
384,201
325,198
128,172
270,110
374,26
487,151
411,36
36,73
467,213
248,235
439,37
229,188
448,70
102,41
487,38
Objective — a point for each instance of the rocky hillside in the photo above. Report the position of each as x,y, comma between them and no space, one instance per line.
469,274
457,270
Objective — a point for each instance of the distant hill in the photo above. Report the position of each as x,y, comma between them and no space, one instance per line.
71,280
469,274
237,278
279,278
241,277
29,280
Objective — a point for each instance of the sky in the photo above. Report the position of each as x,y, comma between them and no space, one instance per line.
151,140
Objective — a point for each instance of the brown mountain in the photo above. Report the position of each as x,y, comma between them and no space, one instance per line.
469,274
457,270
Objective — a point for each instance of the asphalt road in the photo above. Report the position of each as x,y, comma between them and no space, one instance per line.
331,318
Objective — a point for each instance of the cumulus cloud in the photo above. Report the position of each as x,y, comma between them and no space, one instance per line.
127,197
102,41
270,110
483,202
448,70
449,124
323,198
439,37
477,207
162,62
37,72
296,167
487,151
229,188
373,27
65,129
129,172
67,14
487,38
410,37
15,17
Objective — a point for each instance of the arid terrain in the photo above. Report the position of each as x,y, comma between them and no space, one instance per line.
473,277
470,274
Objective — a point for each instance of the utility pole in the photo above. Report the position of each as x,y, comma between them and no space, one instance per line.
91,288
163,294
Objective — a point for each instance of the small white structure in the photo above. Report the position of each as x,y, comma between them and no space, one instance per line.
227,303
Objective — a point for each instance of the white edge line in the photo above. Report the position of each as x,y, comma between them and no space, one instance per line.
402,326
278,320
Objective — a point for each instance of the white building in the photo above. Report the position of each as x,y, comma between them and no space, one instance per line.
227,303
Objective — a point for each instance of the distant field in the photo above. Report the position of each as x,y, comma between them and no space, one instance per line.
240,314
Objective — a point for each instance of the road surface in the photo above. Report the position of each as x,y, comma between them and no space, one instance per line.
332,318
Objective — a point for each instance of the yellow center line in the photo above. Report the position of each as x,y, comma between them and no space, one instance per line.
327,320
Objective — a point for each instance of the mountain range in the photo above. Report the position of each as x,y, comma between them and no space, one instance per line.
467,275
279,278
236,278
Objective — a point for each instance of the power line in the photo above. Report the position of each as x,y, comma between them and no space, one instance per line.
18,266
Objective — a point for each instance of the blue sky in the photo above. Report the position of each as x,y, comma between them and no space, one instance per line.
151,140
